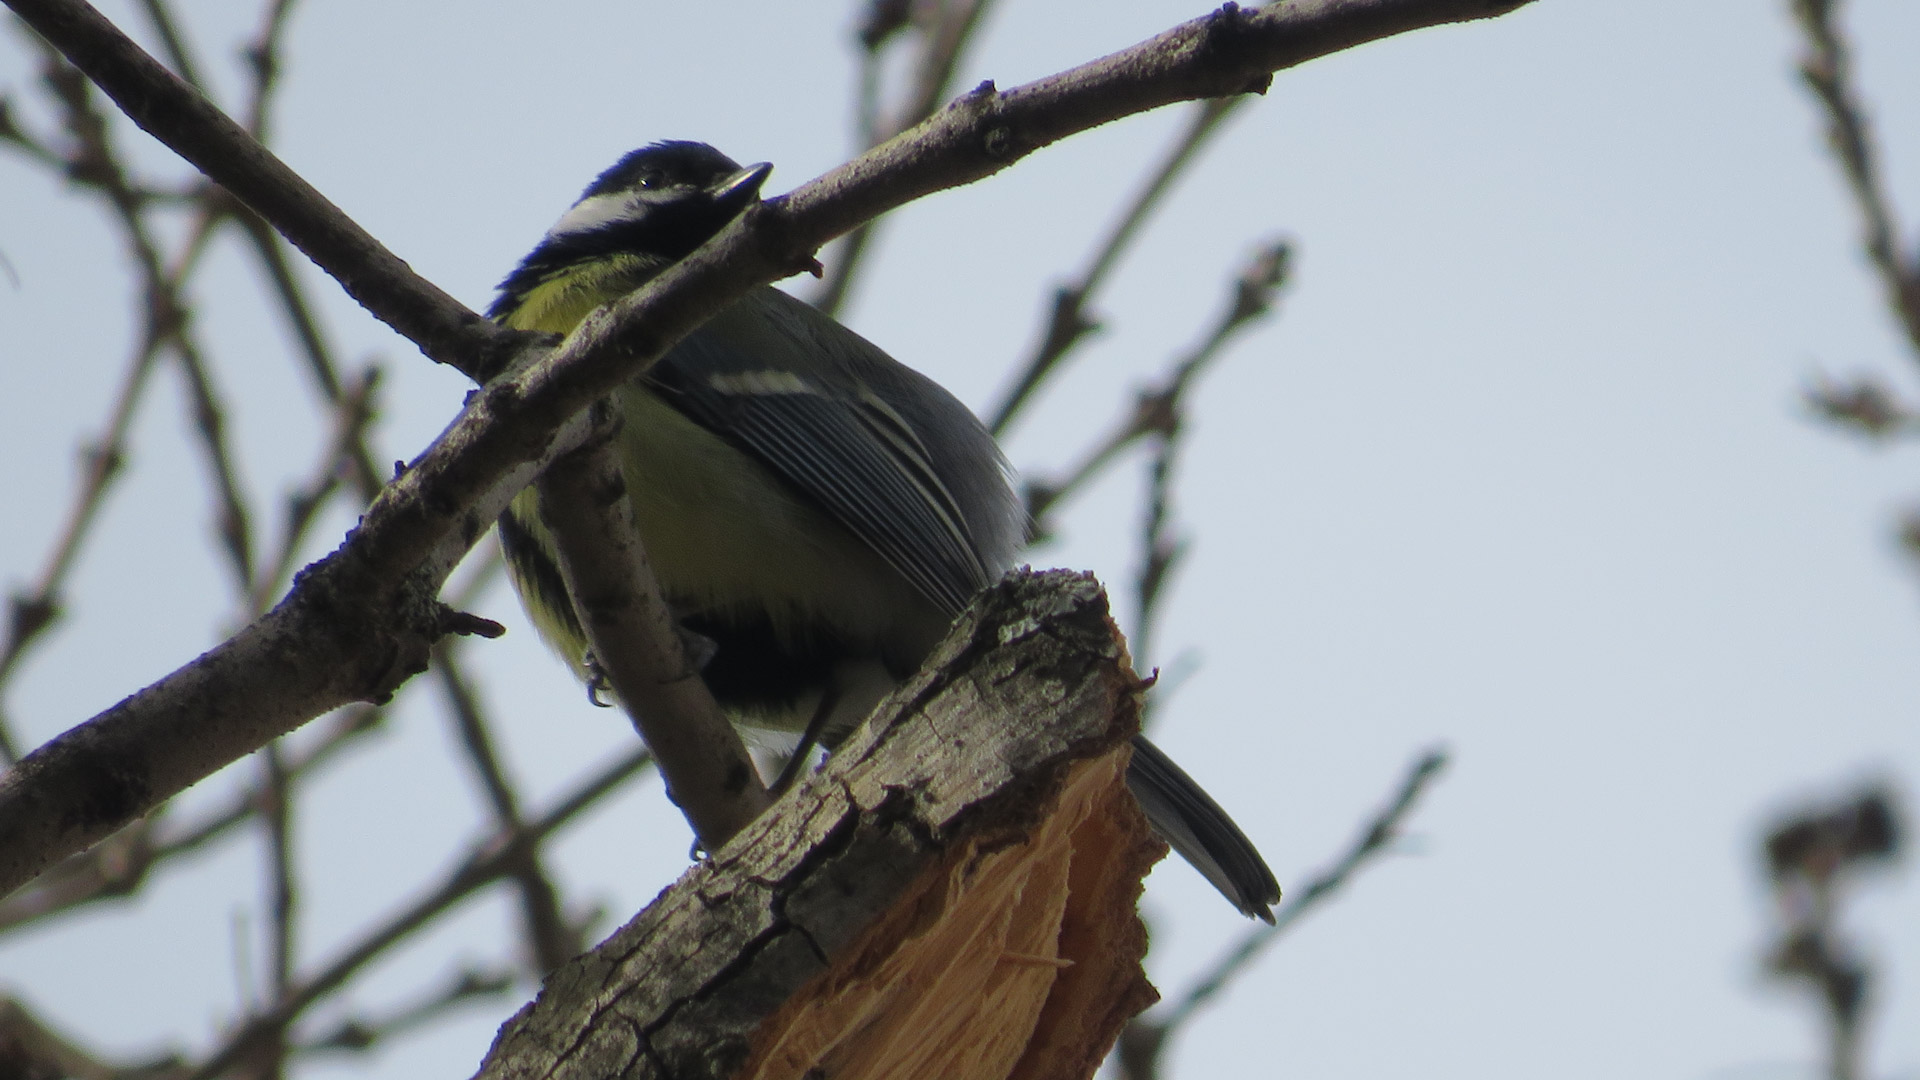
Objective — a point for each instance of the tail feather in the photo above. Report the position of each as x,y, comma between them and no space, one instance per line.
1188,819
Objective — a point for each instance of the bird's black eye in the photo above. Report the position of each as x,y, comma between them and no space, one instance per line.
650,179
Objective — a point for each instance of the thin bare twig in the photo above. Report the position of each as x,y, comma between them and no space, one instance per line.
490,861
263,60
1865,404
35,609
270,1059
97,157
276,812
115,867
271,251
883,22
947,27
209,421
93,164
1378,835
173,43
162,103
1157,413
1160,550
31,1050
353,411
35,148
475,739
1812,857
1827,69
1069,321
1156,410
551,937
362,1033
551,940
1254,290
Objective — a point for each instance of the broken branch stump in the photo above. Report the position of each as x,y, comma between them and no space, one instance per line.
954,895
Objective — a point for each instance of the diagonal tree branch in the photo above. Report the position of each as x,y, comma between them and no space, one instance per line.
949,28
363,620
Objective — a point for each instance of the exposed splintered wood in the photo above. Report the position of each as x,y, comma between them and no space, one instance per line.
952,896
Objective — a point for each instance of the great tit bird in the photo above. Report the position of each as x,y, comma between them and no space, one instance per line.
816,512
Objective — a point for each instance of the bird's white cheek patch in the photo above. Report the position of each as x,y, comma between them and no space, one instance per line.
595,212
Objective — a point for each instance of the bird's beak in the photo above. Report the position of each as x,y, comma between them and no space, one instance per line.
735,191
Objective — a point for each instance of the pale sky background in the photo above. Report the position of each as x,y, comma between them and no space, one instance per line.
1520,468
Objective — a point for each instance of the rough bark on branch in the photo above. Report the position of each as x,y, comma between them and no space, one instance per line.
953,895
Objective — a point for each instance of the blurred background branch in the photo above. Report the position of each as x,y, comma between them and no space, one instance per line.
937,32
1827,70
118,868
1814,855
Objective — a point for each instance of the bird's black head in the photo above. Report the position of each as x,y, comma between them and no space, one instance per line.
661,201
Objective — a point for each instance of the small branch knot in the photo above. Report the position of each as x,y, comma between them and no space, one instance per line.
1220,44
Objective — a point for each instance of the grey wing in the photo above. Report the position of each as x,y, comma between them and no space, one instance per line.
841,445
